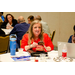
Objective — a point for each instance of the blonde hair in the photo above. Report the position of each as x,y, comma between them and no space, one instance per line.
31,36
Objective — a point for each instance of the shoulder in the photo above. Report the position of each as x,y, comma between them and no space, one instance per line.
26,35
14,21
27,24
45,35
17,25
21,24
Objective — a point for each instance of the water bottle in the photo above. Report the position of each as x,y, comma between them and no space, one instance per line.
12,44
64,51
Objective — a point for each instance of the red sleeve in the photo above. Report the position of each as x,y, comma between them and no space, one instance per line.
48,41
24,41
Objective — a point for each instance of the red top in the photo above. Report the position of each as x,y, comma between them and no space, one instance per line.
47,41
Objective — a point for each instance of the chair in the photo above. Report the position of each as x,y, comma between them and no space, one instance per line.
1,22
4,44
52,35
20,43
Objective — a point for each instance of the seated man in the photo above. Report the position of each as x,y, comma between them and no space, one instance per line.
72,37
20,29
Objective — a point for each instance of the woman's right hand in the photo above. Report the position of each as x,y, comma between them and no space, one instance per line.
31,46
34,44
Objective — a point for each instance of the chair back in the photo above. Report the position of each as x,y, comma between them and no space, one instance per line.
20,43
53,34
4,43
0,24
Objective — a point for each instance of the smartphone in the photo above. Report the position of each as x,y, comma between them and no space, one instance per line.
41,43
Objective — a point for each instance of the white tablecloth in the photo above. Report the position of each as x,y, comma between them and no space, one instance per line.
7,57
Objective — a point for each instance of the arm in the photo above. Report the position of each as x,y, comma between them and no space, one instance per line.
24,43
48,43
13,31
30,46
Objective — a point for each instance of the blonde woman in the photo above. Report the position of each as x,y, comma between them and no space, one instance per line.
35,35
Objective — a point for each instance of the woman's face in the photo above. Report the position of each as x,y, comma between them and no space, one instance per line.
9,17
36,29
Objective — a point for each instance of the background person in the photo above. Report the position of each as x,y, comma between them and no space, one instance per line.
30,41
72,37
20,29
9,22
30,19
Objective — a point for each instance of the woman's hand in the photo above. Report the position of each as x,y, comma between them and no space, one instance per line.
34,44
48,48
31,46
40,48
8,27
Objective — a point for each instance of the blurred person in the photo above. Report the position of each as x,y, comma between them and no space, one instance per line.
20,29
9,22
30,19
44,25
35,35
72,37
1,16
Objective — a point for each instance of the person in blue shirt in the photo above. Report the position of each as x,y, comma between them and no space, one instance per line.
20,29
72,37
2,17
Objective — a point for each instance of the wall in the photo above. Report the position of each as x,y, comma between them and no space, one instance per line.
62,22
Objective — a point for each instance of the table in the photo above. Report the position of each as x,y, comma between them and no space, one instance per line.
7,31
7,57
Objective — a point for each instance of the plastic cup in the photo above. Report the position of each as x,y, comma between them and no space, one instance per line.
20,50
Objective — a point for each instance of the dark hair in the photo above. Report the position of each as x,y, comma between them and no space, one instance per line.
6,20
74,28
31,18
2,13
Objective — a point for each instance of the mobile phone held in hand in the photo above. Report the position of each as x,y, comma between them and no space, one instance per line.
41,43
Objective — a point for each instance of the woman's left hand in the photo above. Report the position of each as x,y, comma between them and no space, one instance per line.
48,48
39,48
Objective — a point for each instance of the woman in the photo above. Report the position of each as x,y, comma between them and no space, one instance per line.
9,22
30,41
